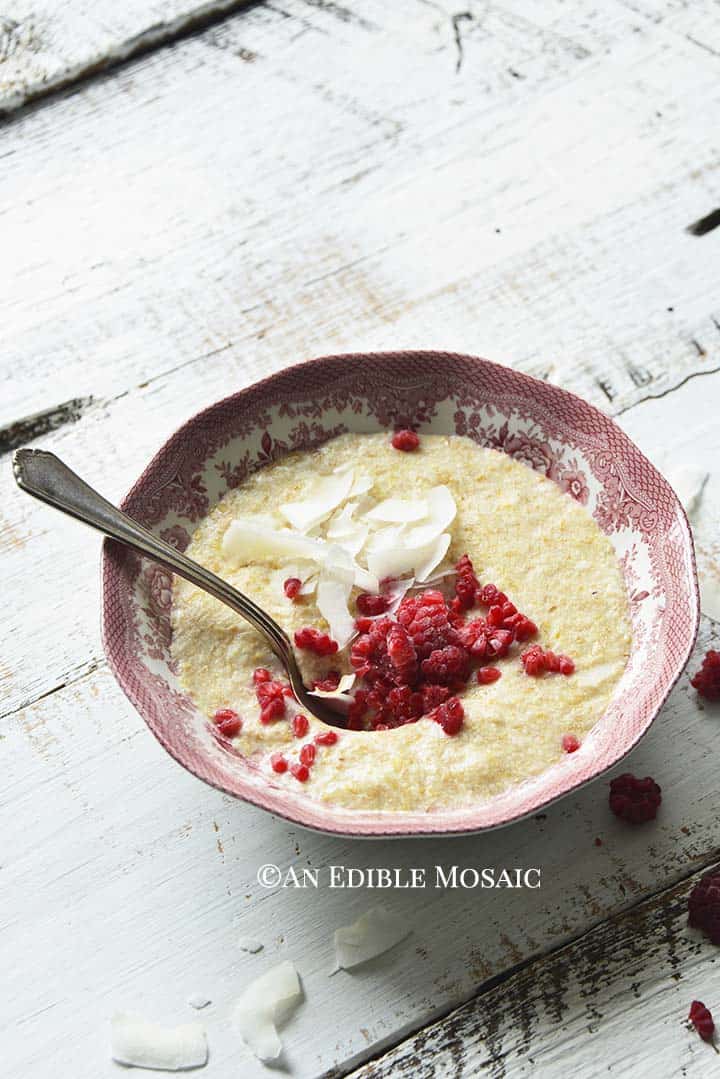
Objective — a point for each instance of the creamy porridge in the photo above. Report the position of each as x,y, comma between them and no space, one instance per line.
314,531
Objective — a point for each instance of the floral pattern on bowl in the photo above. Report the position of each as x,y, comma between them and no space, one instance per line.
546,428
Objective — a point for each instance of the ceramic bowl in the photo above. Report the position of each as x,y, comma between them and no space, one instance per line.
543,426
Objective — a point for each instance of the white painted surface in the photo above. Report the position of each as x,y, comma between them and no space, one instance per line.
220,209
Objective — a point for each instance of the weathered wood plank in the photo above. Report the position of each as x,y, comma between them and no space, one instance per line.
126,884
45,46
615,1001
224,194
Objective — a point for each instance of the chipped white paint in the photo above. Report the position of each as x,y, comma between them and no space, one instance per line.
213,212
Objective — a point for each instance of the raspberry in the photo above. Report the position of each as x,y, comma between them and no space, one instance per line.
401,652
707,679
634,800
537,661
307,754
432,696
489,595
701,1018
261,674
227,722
704,906
486,675
449,715
370,605
292,587
426,619
405,440
570,743
329,683
278,763
326,738
447,666
300,726
466,584
312,640
482,640
300,771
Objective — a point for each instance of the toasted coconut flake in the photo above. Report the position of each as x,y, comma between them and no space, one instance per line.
266,1004
399,510
373,933
148,1045
327,494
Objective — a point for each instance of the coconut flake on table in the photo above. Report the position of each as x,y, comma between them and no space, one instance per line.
688,484
328,492
710,595
198,1000
148,1045
266,1004
249,944
373,933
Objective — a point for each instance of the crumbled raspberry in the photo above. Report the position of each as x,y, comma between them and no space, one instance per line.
401,652
274,709
313,640
570,743
704,906
371,605
326,738
271,697
447,666
449,715
489,595
707,679
329,683
537,661
227,722
405,440
261,674
307,754
701,1018
634,800
292,587
466,584
484,641
300,725
486,675
278,763
300,771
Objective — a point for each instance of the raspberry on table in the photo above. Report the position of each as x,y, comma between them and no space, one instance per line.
704,906
405,440
634,800
707,679
701,1018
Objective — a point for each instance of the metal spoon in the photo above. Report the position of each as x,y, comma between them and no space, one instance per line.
44,476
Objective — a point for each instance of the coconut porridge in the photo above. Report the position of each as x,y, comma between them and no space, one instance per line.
475,613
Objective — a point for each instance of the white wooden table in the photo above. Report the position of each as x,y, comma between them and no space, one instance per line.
194,194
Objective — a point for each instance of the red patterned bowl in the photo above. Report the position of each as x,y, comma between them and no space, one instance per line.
545,427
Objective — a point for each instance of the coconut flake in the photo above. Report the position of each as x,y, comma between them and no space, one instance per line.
396,561
246,541
327,494
373,933
198,1000
361,485
332,601
399,510
267,1003
249,944
148,1045
441,514
433,555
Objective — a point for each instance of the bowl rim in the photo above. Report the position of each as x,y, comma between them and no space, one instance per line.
392,827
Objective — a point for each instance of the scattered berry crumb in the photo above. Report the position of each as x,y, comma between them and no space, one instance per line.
261,674
292,587
307,754
704,906
701,1018
300,725
326,738
570,743
329,683
487,675
278,763
300,771
370,605
313,640
227,722
634,800
405,440
707,679
598,841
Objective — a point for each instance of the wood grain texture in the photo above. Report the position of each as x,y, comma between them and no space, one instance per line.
513,179
615,1001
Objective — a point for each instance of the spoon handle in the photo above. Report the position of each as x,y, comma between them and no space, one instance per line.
46,477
